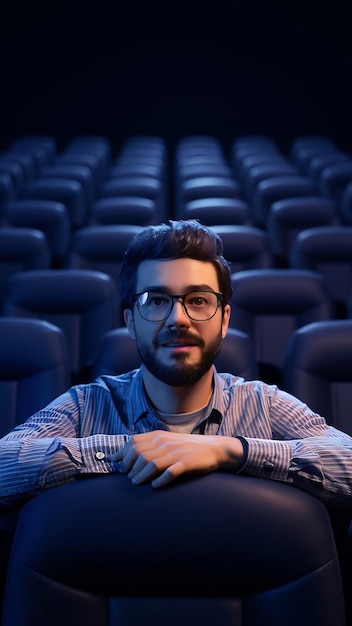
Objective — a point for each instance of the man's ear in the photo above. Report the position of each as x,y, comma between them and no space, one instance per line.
129,321
225,320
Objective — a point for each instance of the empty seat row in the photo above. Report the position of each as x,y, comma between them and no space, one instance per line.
86,171
287,218
268,305
35,365
261,175
324,249
255,176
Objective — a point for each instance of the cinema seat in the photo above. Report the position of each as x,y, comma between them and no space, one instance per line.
34,368
213,210
83,303
47,216
101,248
21,250
328,251
124,210
65,190
289,217
318,369
245,247
271,190
269,305
215,549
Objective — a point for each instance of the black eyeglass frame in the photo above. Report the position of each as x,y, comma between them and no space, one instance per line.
174,298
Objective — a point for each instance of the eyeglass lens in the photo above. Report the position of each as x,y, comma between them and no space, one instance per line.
199,305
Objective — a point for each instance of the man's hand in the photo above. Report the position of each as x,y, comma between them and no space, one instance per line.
161,456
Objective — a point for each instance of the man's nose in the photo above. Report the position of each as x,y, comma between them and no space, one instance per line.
178,314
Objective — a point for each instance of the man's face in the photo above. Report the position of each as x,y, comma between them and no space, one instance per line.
177,350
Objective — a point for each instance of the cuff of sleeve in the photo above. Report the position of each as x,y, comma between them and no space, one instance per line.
97,452
267,459
244,443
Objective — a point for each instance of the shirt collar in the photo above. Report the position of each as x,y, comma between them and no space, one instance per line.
138,405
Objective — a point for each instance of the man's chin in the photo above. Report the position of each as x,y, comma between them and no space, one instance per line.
179,375
179,369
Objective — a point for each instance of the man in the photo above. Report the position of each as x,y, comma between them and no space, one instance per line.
176,415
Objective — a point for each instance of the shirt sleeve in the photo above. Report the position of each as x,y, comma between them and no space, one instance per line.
47,450
304,451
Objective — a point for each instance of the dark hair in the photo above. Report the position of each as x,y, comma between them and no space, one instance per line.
172,240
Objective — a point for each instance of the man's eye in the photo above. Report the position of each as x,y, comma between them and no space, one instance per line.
157,301
197,301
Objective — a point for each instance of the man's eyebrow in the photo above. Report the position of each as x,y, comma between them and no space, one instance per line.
187,289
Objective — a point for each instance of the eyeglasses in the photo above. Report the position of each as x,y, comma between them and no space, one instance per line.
156,306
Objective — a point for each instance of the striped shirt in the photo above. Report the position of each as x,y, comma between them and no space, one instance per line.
78,433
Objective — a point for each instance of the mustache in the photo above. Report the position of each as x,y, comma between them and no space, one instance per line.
168,336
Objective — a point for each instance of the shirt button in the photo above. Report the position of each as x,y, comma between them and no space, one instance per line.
268,465
100,455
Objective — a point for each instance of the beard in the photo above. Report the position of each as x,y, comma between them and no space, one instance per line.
180,372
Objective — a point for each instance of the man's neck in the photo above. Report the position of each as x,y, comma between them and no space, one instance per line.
183,399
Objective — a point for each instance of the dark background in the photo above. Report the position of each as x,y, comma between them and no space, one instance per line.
176,68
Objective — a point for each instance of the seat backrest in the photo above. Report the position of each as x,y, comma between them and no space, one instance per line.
15,171
118,354
262,171
34,368
102,551
318,163
101,247
247,159
269,305
136,186
123,210
328,251
245,247
96,145
142,158
289,217
346,205
270,190
21,249
306,147
82,173
66,190
237,355
194,170
43,148
8,190
135,169
212,211
204,187
199,158
22,158
260,149
85,157
318,369
83,303
334,179
50,217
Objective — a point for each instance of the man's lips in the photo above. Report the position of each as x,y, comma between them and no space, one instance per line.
180,342
177,348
